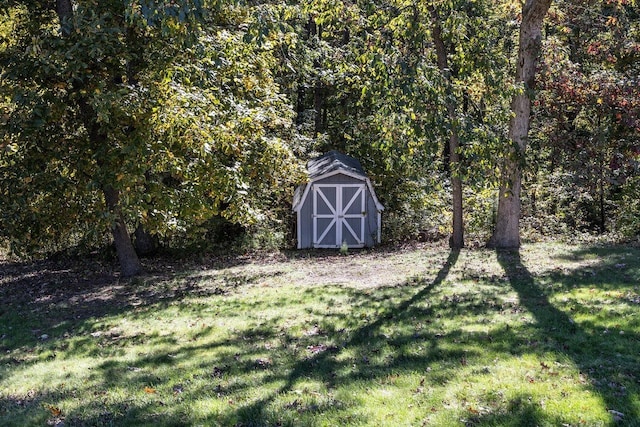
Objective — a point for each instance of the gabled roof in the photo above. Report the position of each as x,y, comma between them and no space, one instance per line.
331,162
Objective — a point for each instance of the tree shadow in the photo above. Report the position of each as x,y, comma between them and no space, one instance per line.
373,341
64,296
323,365
520,412
566,336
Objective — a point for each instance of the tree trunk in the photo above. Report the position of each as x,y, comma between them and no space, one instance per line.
64,10
457,237
507,229
318,105
129,262
601,199
300,103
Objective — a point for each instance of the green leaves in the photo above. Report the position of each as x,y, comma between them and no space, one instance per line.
196,108
182,124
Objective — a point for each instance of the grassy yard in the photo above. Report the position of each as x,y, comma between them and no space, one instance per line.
549,336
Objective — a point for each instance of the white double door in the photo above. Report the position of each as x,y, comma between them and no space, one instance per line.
338,215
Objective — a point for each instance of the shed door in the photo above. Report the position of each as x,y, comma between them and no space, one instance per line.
338,215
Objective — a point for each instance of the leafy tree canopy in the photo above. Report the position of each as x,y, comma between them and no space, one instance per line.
160,102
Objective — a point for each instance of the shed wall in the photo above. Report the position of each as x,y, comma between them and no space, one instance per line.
371,220
338,179
305,218
305,223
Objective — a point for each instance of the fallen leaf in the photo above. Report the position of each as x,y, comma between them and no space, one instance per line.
149,390
55,411
217,372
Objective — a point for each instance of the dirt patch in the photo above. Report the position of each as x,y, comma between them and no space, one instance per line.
78,289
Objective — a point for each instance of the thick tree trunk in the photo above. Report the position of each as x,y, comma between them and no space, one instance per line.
129,262
457,237
507,229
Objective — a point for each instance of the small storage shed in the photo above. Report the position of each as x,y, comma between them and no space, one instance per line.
337,206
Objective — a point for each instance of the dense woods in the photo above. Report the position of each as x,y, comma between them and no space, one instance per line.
187,123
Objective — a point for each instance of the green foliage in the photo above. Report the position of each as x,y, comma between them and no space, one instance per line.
481,205
199,110
423,212
164,104
585,135
628,214
367,84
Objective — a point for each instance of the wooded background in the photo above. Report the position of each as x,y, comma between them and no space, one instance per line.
187,123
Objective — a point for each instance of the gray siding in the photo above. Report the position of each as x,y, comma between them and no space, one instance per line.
305,219
306,222
338,179
371,220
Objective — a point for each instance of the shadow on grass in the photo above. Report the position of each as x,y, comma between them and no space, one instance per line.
588,350
520,412
224,372
351,356
41,410
324,367
62,298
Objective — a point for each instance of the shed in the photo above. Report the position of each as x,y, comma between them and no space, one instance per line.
337,206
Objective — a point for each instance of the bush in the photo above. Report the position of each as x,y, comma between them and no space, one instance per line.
417,211
628,214
480,209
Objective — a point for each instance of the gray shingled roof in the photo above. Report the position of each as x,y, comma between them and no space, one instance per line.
333,161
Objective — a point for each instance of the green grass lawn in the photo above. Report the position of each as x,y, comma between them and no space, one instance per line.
549,336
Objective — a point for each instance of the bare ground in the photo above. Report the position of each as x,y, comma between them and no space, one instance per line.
77,289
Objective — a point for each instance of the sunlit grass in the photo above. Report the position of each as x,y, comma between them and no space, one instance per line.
550,336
